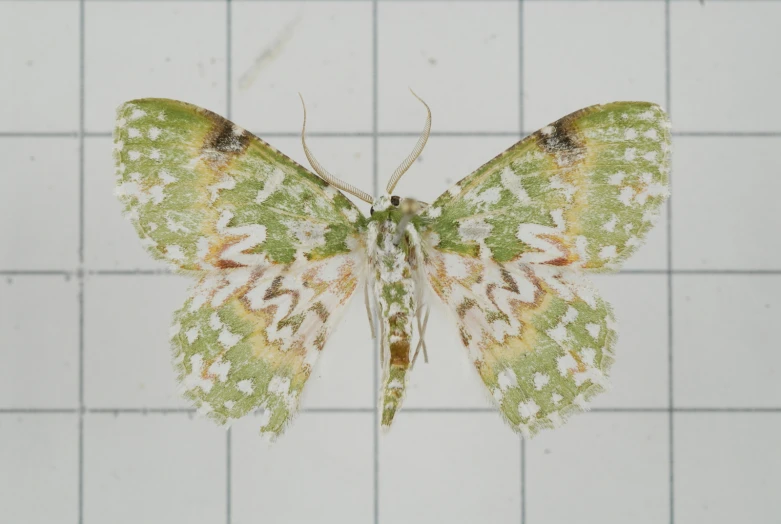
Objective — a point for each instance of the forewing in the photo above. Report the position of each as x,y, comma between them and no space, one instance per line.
540,337
582,192
204,193
247,338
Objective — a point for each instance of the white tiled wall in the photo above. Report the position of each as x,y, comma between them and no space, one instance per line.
90,421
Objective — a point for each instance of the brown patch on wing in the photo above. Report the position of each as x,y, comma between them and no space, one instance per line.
562,140
225,137
465,306
321,311
276,290
223,143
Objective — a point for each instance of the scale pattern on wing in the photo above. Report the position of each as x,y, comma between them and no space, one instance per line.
582,192
204,193
540,337
247,338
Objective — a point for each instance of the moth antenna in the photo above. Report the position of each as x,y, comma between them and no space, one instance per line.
421,339
415,152
322,172
368,308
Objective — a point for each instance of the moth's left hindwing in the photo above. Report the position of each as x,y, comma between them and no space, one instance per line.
277,251
540,337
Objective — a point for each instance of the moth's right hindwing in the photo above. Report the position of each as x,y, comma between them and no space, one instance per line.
247,338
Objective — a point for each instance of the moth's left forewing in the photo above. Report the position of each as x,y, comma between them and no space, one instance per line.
582,192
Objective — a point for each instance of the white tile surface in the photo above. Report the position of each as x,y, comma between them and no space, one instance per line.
39,341
725,340
577,54
320,471
127,354
39,473
39,203
153,469
461,57
455,468
601,467
727,469
724,203
640,374
344,374
110,241
159,49
722,66
330,45
41,54
444,161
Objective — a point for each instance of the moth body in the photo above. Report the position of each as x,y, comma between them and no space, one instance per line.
395,253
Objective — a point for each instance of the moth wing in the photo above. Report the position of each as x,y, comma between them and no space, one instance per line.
247,338
582,192
204,193
539,336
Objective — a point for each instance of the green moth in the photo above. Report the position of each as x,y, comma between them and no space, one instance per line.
278,251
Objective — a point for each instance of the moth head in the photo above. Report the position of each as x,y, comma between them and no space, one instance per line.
406,205
397,205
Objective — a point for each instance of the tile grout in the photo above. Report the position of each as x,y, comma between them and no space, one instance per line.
80,273
229,114
409,1
670,393
394,134
375,190
369,410
166,272
521,118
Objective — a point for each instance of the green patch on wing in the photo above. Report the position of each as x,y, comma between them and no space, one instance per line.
593,182
204,193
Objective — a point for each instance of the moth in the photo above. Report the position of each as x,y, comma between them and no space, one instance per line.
278,251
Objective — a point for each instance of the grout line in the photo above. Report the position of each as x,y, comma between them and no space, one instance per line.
671,418
37,272
396,134
38,411
80,273
367,411
521,50
523,480
229,115
167,272
403,1
39,134
375,190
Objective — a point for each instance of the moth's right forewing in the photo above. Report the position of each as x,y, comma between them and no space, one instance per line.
206,194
